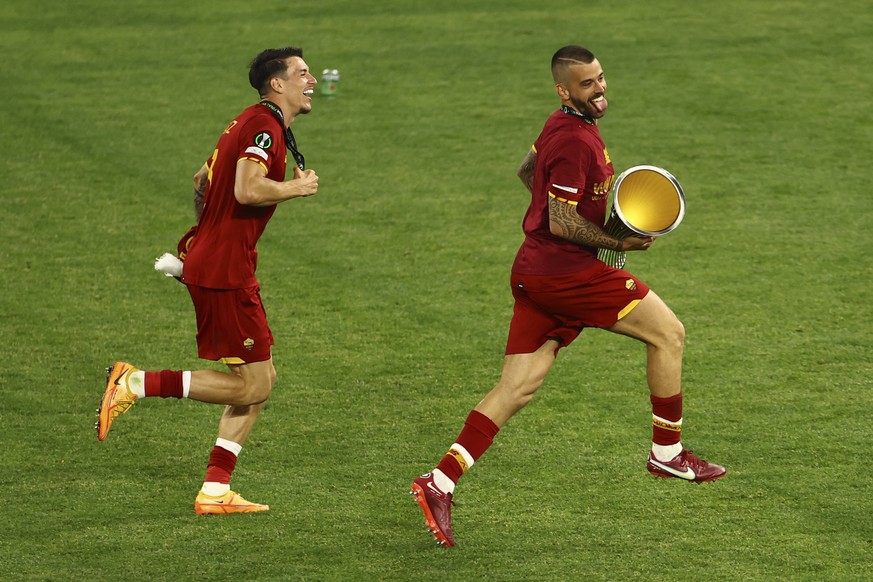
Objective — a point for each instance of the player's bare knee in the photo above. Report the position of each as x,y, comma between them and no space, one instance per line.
672,337
255,393
678,335
524,393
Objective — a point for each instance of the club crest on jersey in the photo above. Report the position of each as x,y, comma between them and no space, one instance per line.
631,285
249,344
263,140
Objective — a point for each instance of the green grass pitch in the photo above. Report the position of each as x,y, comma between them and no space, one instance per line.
388,296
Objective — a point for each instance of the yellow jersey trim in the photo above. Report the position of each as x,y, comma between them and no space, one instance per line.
564,200
257,160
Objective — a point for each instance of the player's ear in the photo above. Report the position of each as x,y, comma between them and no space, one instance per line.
276,84
562,91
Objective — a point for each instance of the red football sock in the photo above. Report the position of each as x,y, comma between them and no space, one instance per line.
221,465
166,384
475,438
666,419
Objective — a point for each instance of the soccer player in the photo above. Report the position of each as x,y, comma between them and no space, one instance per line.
242,182
560,288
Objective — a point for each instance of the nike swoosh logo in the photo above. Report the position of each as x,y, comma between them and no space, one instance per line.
688,473
434,488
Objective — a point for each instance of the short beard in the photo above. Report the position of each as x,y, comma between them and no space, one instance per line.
584,108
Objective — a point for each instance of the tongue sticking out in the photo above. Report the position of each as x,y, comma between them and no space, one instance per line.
600,104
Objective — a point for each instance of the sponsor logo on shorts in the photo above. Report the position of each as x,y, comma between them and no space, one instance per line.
631,285
249,344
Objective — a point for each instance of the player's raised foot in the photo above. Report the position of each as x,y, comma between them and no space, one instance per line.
437,508
686,465
230,502
117,397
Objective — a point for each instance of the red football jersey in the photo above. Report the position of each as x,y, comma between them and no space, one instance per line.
223,253
572,164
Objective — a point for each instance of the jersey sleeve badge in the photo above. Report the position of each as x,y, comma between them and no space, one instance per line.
262,142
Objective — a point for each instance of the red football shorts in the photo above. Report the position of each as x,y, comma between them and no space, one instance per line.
559,307
231,325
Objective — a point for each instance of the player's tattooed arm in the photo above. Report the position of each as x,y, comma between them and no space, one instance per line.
526,170
199,190
198,204
566,223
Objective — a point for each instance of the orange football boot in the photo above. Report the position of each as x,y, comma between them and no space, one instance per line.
230,502
117,398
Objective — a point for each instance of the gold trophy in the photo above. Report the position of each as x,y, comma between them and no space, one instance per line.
645,201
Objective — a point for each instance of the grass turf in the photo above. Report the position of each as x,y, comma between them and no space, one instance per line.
387,292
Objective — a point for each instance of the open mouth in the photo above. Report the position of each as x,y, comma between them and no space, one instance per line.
599,103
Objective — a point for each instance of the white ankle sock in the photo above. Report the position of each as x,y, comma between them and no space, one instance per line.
442,482
214,489
666,453
186,384
136,383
